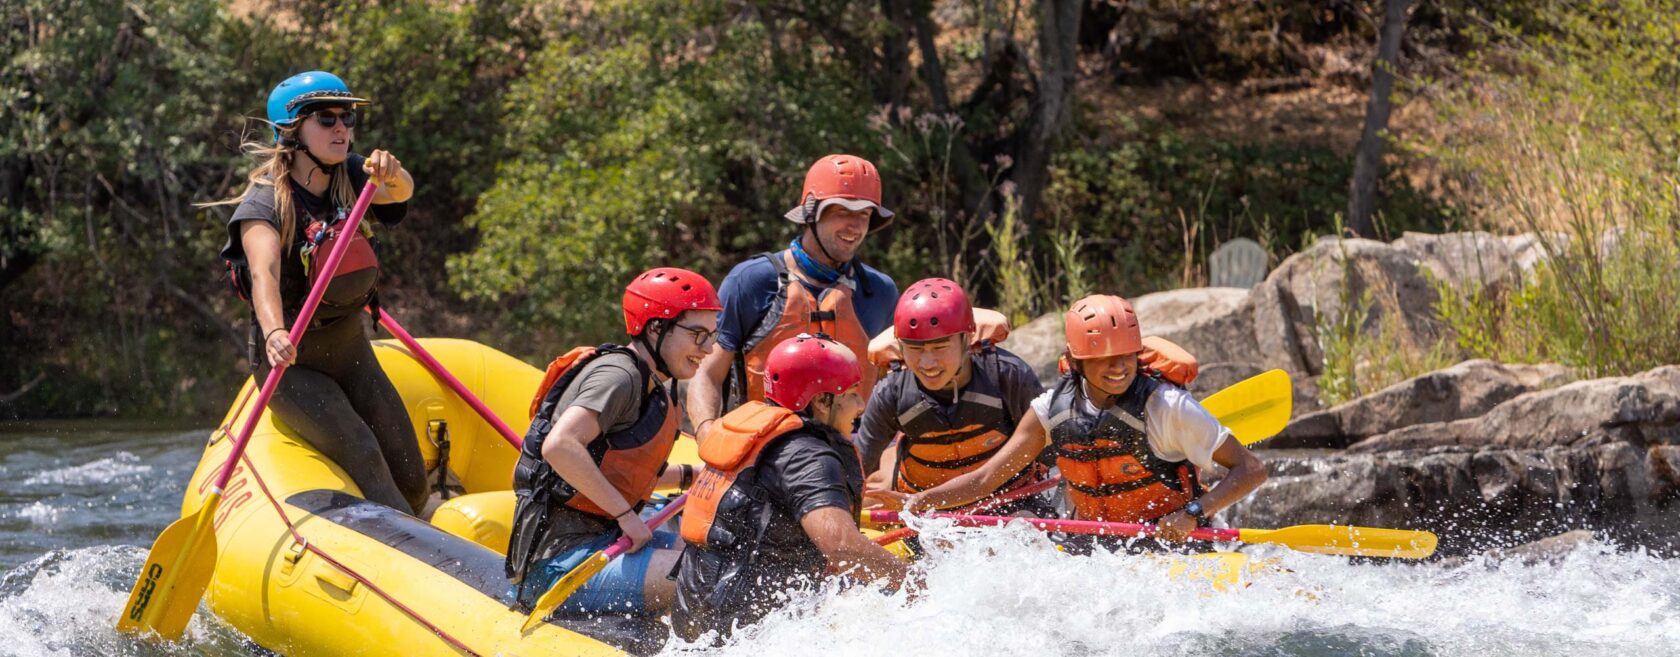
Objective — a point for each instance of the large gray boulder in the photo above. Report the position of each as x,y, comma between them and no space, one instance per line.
1276,324
1039,342
1478,499
1175,311
1465,390
1640,410
1468,258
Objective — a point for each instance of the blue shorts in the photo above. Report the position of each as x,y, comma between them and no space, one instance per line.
617,588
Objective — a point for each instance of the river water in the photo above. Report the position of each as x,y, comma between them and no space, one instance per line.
83,500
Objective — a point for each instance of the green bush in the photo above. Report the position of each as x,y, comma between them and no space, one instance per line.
1571,132
631,149
1138,195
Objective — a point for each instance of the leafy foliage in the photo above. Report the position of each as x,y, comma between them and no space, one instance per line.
1586,155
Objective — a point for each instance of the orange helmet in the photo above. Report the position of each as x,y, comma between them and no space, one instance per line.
846,180
1102,325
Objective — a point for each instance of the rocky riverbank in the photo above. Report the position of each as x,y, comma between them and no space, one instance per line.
1487,455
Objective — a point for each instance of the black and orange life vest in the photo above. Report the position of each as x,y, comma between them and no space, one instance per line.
1111,473
796,310
631,458
745,547
729,447
934,448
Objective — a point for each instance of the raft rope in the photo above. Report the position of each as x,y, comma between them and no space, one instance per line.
311,547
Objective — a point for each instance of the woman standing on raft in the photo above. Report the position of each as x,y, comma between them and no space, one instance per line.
335,396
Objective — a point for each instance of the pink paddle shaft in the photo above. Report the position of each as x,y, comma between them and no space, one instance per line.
1067,526
298,327
983,505
623,543
448,379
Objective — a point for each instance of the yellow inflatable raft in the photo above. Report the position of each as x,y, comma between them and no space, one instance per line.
306,567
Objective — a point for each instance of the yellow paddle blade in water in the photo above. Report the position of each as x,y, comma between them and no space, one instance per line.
174,577
1255,408
564,588
1348,540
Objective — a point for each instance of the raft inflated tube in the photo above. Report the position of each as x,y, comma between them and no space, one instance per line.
364,578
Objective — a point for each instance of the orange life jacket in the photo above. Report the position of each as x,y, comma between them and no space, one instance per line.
934,449
729,446
796,310
1111,473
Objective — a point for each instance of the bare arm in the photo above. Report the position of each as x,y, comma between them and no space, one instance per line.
672,477
1024,445
705,390
835,533
395,183
1247,473
566,449
262,254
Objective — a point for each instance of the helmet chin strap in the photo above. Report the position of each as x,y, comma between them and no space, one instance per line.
811,223
296,144
653,353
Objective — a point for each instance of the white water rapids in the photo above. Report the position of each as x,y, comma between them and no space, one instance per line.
80,508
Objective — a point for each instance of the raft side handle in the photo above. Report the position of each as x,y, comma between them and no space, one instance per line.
331,576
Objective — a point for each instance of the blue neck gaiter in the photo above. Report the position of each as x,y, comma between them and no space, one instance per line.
822,273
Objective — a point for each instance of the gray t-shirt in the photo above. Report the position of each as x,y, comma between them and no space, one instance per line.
609,385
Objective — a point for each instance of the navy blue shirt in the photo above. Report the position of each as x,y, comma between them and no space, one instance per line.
750,288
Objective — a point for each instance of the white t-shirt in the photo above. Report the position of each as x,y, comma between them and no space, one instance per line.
1178,427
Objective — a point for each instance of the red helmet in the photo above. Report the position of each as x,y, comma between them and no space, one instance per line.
1102,325
664,293
931,309
846,180
804,366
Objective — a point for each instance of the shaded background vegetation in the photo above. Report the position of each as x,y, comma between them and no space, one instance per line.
1033,149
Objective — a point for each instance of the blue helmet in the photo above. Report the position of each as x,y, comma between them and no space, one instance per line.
296,92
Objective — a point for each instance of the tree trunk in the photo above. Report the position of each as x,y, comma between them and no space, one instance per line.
1052,104
1368,163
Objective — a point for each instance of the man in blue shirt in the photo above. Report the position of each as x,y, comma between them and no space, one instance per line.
816,285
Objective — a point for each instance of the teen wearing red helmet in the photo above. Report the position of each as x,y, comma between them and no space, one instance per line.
955,400
602,426
1130,446
777,504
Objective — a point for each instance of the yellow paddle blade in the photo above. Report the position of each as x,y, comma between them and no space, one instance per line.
174,577
1255,408
564,588
1348,540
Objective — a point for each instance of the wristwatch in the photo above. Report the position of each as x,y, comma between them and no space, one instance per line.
1194,508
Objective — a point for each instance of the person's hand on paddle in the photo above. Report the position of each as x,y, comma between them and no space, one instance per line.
884,499
383,168
1175,527
635,528
280,349
395,185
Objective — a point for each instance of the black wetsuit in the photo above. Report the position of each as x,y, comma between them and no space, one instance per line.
335,395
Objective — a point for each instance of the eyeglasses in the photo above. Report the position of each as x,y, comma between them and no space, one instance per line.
329,120
702,336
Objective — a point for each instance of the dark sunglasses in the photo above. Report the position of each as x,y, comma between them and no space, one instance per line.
329,120
702,336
